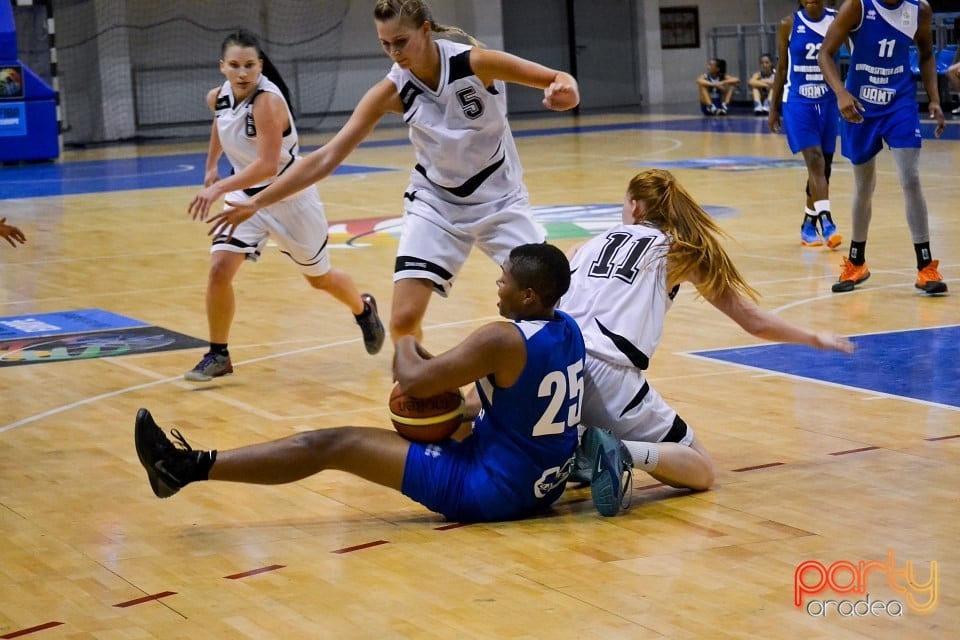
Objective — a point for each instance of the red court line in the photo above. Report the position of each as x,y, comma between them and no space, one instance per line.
942,438
39,627
447,527
650,486
860,450
253,572
365,545
155,596
759,466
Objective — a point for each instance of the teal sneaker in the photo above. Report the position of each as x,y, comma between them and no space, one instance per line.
611,483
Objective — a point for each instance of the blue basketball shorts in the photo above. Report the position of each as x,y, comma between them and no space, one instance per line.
448,478
811,124
900,129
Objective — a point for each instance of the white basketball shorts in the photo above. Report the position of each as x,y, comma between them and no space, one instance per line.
620,399
437,236
298,226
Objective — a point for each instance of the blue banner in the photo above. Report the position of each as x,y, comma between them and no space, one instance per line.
61,323
13,119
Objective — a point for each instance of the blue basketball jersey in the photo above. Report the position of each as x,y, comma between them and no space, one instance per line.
716,94
880,76
805,81
520,453
526,433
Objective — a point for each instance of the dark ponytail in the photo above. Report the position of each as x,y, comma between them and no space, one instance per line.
244,38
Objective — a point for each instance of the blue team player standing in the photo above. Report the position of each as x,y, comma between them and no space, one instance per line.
878,105
529,375
810,115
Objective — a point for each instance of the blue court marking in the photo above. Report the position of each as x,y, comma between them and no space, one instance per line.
919,364
61,323
97,176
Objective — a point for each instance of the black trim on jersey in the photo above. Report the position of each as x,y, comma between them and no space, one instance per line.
408,94
251,128
637,399
627,348
673,292
677,432
470,185
459,67
313,260
223,102
410,195
252,191
251,125
411,263
492,90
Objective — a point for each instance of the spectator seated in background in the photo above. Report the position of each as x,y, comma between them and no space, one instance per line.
716,88
760,84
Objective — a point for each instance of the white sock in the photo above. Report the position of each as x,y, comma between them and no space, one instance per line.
645,454
821,205
810,212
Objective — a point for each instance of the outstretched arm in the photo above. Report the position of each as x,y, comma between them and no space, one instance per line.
560,90
769,326
379,100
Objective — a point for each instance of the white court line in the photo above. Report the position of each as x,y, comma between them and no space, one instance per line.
179,378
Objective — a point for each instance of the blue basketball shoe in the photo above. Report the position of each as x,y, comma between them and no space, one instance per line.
611,483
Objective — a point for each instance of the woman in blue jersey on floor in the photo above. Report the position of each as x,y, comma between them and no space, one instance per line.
515,462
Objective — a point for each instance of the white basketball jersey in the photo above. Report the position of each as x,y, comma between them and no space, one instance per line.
618,293
464,148
238,131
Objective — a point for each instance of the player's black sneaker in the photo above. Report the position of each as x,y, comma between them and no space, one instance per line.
168,466
370,325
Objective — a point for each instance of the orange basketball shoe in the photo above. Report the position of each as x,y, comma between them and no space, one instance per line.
929,279
850,275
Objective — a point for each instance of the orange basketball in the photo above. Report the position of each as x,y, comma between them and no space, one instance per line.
432,419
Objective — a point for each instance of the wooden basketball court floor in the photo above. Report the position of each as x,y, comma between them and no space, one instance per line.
810,467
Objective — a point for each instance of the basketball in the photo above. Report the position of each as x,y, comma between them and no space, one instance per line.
431,419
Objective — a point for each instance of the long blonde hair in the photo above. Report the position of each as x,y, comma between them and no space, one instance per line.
695,251
416,12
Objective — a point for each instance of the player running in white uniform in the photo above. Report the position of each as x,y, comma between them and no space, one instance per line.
254,126
466,187
622,284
